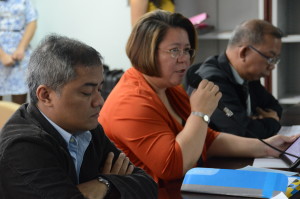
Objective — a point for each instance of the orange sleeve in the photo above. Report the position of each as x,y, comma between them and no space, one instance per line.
144,131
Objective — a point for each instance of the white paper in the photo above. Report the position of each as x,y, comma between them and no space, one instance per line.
252,168
280,196
269,163
292,179
289,130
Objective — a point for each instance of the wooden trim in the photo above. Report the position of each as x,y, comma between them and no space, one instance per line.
268,17
268,10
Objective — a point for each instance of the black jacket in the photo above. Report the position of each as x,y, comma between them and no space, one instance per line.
35,162
218,70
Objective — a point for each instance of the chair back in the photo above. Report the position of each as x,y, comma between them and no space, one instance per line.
190,74
6,111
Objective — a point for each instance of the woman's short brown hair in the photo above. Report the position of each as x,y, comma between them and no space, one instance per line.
147,34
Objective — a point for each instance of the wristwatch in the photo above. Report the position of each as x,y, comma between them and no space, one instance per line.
104,181
202,115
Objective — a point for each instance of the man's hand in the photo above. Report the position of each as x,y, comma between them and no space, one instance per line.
93,189
268,113
122,165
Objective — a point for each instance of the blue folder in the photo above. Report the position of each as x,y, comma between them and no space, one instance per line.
244,183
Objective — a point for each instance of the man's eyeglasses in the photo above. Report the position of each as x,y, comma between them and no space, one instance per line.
176,52
270,60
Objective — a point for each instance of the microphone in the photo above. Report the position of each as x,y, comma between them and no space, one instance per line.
194,82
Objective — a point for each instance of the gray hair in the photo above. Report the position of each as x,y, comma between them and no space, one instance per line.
54,61
252,32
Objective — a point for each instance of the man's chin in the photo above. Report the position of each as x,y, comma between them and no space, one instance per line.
89,126
266,74
93,125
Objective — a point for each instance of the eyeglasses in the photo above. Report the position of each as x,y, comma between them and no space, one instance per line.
270,60
176,52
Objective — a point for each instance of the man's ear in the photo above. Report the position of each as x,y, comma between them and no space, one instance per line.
242,53
44,95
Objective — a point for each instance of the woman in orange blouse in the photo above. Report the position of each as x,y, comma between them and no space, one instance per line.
149,116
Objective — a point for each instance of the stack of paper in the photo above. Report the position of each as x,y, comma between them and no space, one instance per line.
293,181
256,184
289,130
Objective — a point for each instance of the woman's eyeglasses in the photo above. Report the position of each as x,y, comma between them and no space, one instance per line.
176,52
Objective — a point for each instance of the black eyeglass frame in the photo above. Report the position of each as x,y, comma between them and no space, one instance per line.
270,60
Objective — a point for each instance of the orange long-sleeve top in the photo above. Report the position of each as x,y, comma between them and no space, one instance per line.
136,120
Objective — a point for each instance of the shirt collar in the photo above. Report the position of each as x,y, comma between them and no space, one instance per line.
236,76
66,135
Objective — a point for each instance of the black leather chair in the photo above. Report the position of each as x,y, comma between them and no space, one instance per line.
190,74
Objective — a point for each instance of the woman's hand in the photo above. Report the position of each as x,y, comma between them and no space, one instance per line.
7,59
279,141
19,54
205,98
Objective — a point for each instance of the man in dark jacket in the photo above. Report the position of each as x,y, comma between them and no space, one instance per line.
54,147
252,53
